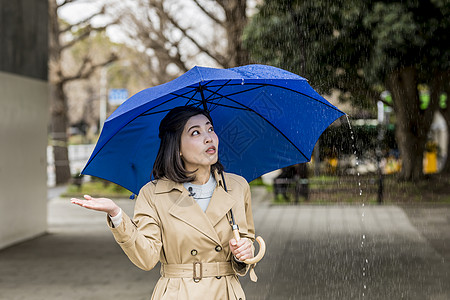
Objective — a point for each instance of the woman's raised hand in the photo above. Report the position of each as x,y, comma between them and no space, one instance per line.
100,204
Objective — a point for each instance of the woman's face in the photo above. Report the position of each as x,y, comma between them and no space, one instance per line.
199,143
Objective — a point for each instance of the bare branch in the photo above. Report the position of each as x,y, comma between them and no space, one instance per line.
84,71
221,3
209,14
86,20
216,56
82,36
86,32
66,2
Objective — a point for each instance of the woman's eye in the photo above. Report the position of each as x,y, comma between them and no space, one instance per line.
211,129
195,132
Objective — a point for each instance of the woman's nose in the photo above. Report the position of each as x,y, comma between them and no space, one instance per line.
208,138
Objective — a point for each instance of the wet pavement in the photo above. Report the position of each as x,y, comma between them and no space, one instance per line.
313,252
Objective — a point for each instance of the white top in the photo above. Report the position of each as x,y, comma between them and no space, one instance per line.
202,193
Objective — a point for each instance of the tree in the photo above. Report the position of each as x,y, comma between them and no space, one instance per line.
84,97
175,35
362,48
58,78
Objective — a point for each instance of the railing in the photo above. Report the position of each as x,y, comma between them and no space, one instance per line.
78,156
326,189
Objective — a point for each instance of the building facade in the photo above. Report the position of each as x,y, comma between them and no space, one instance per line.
23,119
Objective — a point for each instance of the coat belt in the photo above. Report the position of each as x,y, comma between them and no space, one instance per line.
197,270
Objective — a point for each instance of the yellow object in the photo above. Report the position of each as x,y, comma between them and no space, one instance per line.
430,162
392,166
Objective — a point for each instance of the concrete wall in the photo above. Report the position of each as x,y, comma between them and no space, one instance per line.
23,162
23,119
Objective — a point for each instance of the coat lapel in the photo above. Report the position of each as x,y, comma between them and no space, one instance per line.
220,205
188,211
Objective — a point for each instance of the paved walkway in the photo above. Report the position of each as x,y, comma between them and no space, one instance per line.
314,252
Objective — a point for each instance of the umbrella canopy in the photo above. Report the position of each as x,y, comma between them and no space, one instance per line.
266,118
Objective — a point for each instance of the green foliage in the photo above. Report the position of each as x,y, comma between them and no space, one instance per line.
351,45
337,141
443,101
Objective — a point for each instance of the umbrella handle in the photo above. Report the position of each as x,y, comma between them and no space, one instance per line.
262,248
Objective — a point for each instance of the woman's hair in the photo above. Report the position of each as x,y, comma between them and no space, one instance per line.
168,162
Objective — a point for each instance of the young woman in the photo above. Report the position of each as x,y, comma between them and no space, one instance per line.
182,217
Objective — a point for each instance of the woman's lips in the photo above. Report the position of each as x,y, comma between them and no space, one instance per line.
211,150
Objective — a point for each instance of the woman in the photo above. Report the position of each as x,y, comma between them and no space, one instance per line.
182,217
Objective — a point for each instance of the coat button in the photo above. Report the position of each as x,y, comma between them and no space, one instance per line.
218,277
194,252
218,248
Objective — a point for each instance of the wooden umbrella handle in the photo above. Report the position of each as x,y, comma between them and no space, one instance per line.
262,248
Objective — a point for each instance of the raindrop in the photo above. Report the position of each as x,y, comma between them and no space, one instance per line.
367,261
365,287
364,236
242,82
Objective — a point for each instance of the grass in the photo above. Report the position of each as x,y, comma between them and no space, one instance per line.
97,189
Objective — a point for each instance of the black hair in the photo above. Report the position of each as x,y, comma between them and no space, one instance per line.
168,162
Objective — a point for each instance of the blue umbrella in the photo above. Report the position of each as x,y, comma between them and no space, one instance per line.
266,118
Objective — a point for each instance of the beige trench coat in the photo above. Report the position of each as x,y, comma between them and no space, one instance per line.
170,227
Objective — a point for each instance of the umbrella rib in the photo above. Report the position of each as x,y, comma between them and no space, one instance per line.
281,87
147,113
241,92
268,122
216,92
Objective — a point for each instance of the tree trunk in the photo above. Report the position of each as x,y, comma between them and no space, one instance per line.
446,167
236,19
412,124
58,105
446,114
59,134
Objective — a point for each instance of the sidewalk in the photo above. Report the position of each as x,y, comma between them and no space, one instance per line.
313,252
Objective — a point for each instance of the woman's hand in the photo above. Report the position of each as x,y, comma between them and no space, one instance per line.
100,204
241,249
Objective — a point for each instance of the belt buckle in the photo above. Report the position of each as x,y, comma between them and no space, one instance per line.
197,271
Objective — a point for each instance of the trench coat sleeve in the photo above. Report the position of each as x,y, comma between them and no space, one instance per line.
140,238
242,268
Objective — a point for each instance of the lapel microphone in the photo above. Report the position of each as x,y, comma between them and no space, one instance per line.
190,191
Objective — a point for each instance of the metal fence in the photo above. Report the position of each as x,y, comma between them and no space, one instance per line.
78,156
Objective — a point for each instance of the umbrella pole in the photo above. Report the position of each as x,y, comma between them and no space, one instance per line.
200,88
237,237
